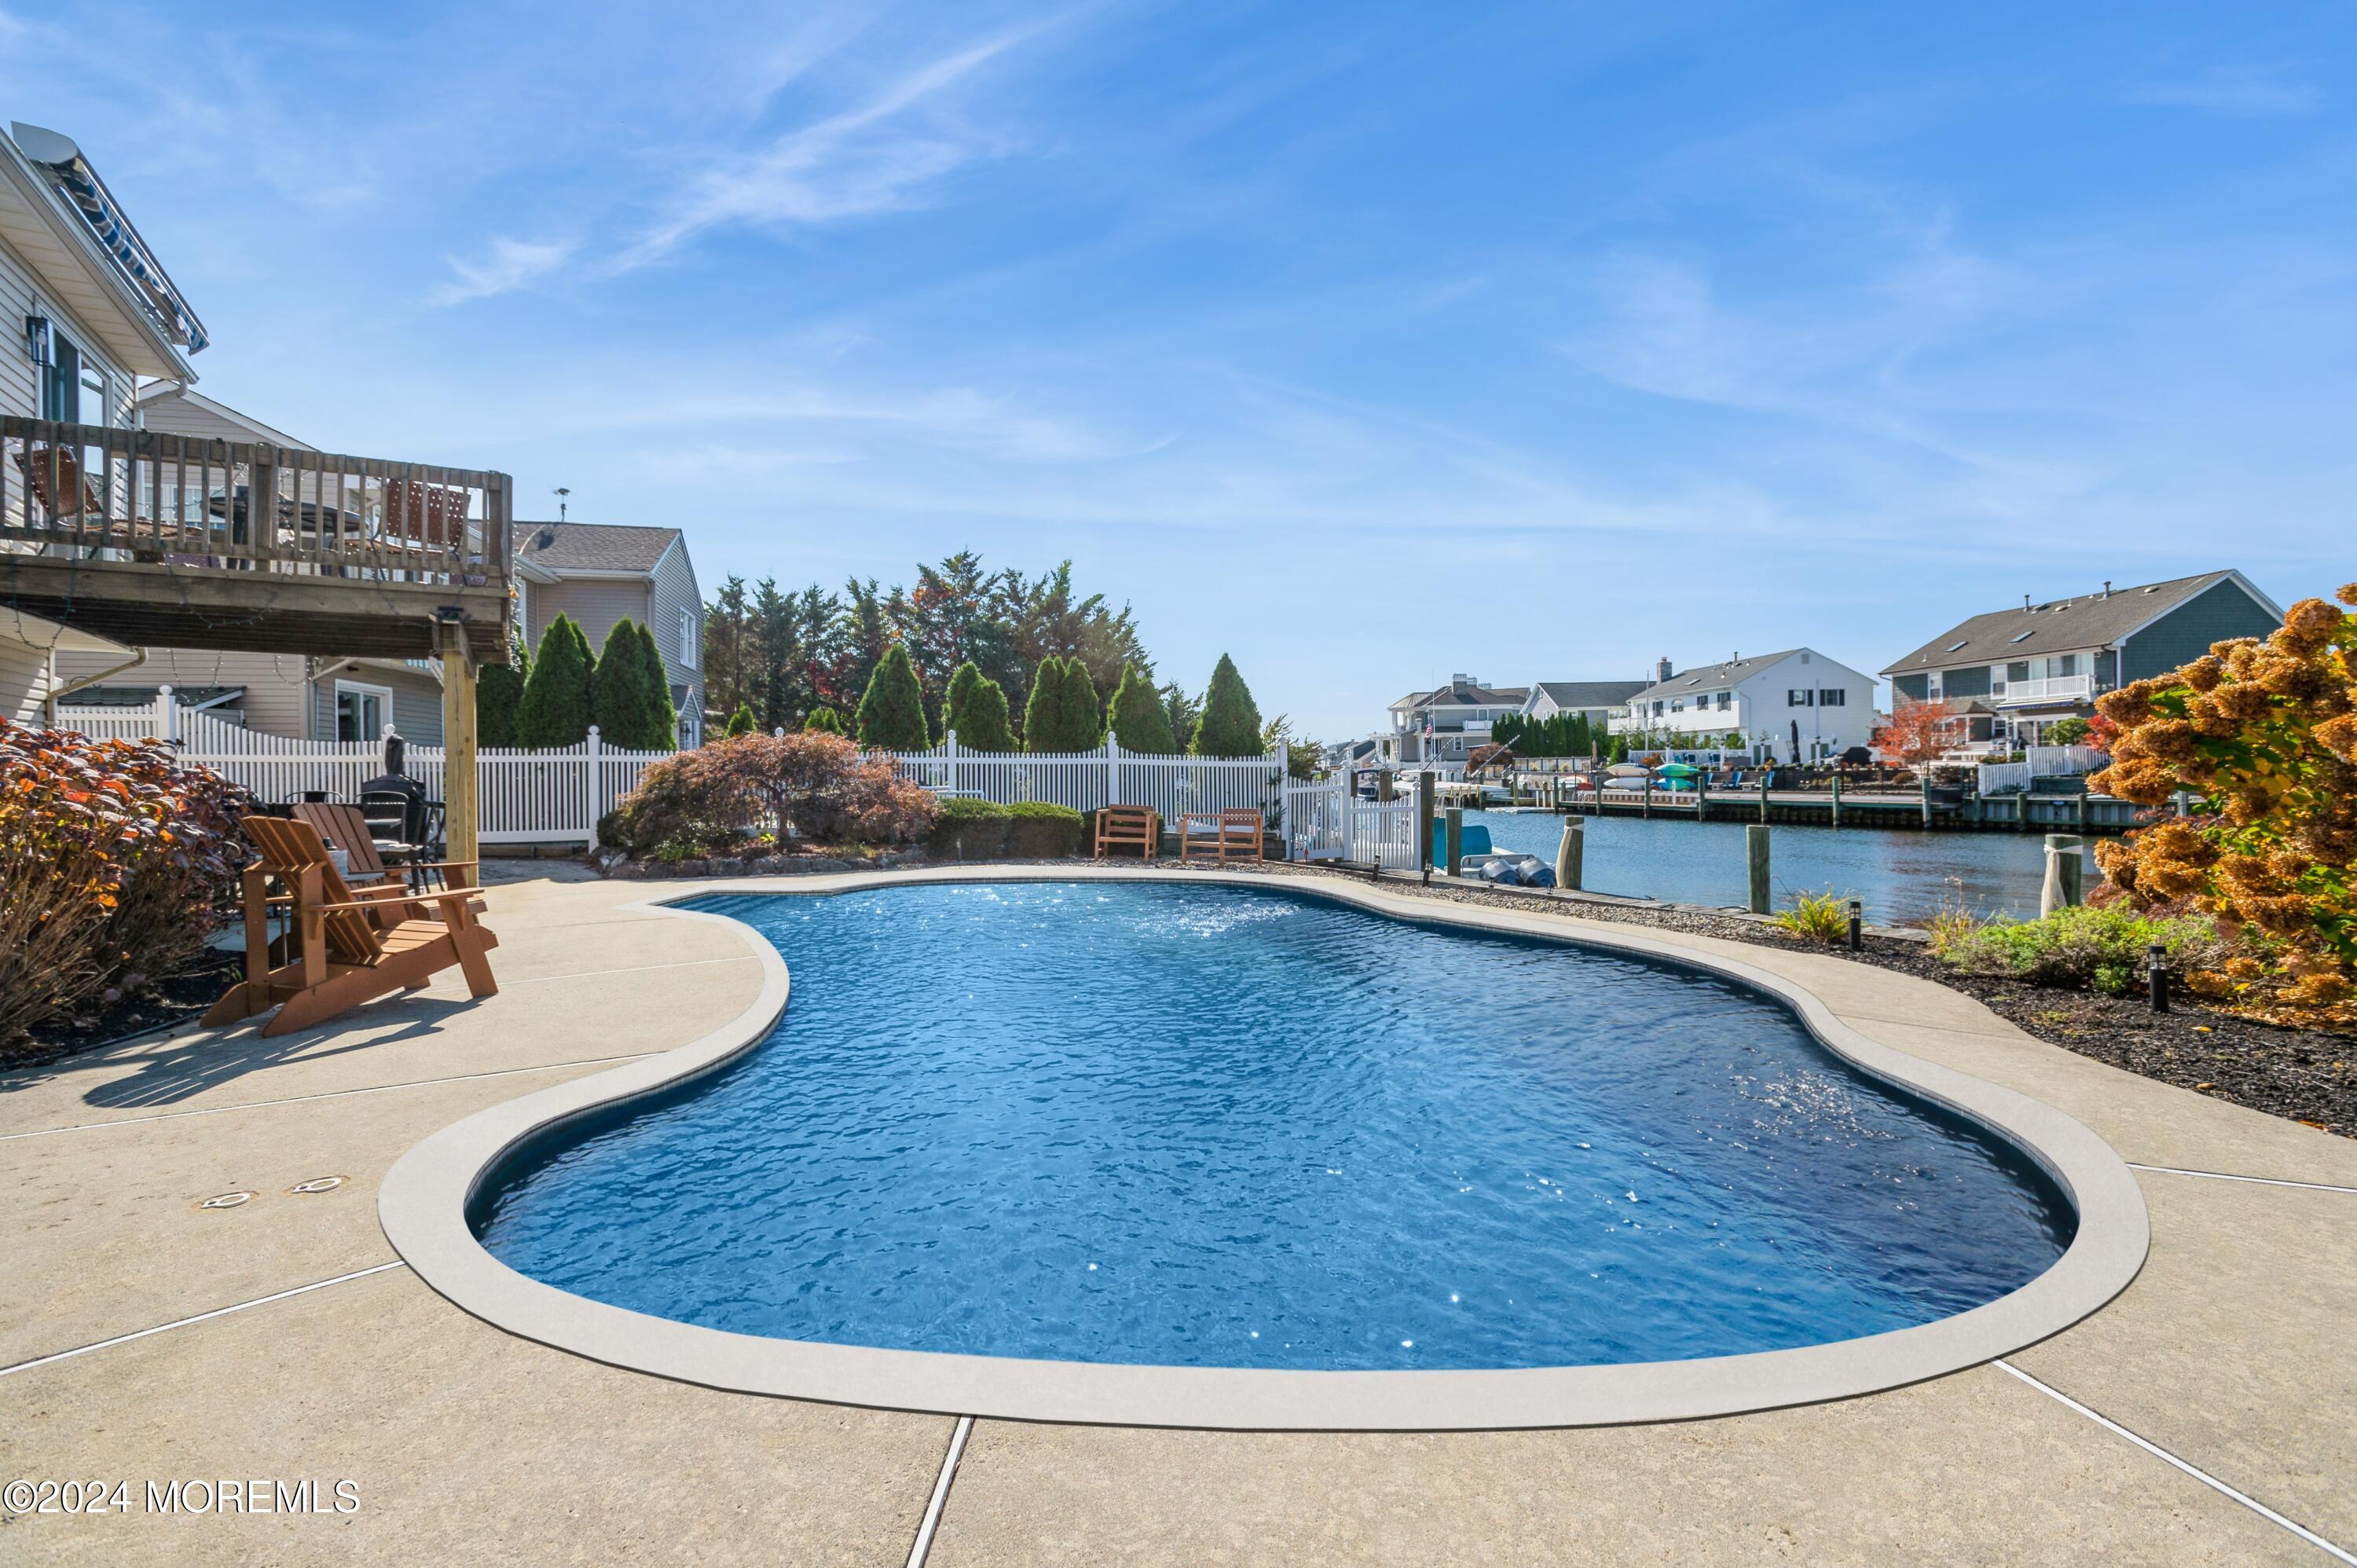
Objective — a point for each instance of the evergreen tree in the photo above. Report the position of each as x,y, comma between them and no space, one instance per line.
1136,716
659,714
618,689
1062,715
1185,712
771,662
555,709
742,722
892,713
975,711
1231,722
498,692
825,721
729,646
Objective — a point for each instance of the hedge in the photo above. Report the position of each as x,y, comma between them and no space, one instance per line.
968,829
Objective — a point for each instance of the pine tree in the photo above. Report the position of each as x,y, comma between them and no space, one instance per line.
1231,722
618,689
892,713
555,708
742,722
657,711
1136,716
975,711
825,721
499,693
1062,716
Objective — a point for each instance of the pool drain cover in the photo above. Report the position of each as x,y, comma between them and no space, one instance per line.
319,1184
226,1200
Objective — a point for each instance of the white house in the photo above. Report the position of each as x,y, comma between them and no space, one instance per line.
1795,705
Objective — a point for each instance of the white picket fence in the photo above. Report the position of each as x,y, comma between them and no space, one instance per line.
2039,762
1106,777
525,797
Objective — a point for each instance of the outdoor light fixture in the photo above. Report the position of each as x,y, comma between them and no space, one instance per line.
1857,924
40,347
2155,975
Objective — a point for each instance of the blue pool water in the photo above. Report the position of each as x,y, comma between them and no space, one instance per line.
1212,1126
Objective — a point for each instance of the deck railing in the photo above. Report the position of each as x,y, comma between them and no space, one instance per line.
96,492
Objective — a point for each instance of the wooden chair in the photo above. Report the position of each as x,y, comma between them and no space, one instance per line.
55,479
344,828
421,514
1129,827
1223,838
346,956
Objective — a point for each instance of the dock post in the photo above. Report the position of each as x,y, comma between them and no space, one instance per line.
1646,807
1837,800
2065,873
1755,851
1763,793
1423,828
1453,838
1702,796
1926,781
1570,853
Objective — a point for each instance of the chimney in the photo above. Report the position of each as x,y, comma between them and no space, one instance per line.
2107,587
1662,670
2025,601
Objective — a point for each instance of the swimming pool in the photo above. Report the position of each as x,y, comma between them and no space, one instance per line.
1175,1124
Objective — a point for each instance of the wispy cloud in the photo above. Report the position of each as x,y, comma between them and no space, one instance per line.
862,161
510,264
2243,91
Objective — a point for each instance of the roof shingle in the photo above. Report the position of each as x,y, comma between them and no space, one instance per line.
589,546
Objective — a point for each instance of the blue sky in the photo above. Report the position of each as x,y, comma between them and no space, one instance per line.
1367,342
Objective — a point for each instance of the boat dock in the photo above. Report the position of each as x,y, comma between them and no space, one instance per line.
1957,810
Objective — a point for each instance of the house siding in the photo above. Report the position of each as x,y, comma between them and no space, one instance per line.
1911,688
674,594
24,680
20,385
416,701
2217,613
1968,681
595,604
276,701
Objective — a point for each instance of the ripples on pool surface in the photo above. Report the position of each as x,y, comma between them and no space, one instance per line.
1209,1126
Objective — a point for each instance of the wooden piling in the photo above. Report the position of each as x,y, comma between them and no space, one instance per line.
1570,856
1424,827
1837,800
1755,851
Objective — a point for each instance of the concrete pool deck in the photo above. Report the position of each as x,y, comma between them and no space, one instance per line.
2229,1354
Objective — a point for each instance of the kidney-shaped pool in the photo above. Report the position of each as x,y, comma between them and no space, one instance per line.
1218,1126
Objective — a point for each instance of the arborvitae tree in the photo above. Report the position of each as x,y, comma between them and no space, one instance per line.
1231,722
975,711
742,722
1063,712
825,721
618,689
1136,716
498,692
556,710
661,715
892,713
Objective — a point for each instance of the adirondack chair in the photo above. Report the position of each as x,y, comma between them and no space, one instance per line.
1129,827
1223,838
346,956
344,828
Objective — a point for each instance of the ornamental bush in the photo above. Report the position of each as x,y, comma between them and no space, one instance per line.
969,829
2101,947
116,864
742,722
1137,717
556,706
813,786
499,693
2263,735
1231,722
822,721
630,693
1063,714
892,713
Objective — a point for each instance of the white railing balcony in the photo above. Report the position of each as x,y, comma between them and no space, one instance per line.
2052,689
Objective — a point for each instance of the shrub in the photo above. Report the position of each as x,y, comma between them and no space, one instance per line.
1041,830
1231,722
498,692
968,829
1137,717
975,710
2099,948
742,722
1063,714
1820,917
2263,733
555,709
813,785
892,713
629,698
116,863
824,721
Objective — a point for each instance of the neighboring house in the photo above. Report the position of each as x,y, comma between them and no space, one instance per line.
293,695
1797,704
2012,674
1437,728
1599,701
599,573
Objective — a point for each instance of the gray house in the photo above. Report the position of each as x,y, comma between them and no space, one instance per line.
2014,674
1599,700
600,572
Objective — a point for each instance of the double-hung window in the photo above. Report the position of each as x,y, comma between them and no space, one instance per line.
1832,697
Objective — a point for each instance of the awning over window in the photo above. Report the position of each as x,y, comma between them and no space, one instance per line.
61,159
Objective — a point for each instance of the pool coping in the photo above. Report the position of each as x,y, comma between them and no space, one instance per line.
424,1202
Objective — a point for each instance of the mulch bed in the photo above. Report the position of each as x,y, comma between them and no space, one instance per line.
175,1000
2306,1075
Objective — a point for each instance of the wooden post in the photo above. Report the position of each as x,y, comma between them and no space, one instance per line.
1702,796
1424,827
1453,838
1570,854
2065,873
1384,794
1646,807
1926,782
459,784
1837,800
1755,853
1763,793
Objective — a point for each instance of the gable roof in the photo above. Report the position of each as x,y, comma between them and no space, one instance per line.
165,406
2060,625
563,547
1463,694
1588,694
1712,676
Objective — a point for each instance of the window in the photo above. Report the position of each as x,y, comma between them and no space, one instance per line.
2017,671
1798,698
2026,636
687,637
1725,700
2067,664
362,712
1832,697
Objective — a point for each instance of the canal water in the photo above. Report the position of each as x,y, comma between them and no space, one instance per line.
1903,876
